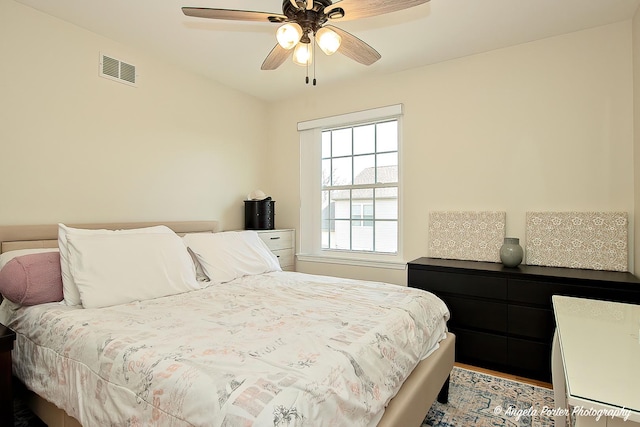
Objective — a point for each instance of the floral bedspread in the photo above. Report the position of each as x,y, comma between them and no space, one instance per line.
278,349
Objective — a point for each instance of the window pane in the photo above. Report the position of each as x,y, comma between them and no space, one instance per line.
342,235
387,135
327,215
363,169
387,168
326,172
362,238
356,214
367,214
326,144
341,142
340,204
364,139
361,198
387,203
341,173
325,204
387,236
388,159
326,232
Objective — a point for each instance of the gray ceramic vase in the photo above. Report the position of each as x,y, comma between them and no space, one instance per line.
511,252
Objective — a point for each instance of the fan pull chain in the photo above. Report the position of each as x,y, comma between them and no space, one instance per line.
314,62
306,81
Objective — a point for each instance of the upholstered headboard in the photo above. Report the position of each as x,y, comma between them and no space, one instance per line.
14,237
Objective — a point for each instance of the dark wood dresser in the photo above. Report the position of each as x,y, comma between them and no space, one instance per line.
503,317
7,337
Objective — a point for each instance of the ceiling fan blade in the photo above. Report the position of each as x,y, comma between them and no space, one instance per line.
356,9
276,58
355,48
234,15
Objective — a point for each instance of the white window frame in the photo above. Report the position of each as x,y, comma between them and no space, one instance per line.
310,233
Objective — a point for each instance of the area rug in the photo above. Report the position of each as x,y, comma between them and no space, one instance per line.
481,400
475,400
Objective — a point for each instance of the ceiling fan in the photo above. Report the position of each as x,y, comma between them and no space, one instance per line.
303,26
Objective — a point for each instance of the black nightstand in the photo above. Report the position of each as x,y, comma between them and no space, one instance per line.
7,337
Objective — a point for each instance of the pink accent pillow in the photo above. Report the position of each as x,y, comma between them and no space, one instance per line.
32,279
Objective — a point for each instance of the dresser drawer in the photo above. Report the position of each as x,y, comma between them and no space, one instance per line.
531,322
477,314
530,359
535,292
277,239
540,292
477,347
457,283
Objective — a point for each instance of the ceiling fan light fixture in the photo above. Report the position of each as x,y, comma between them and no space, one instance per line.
328,40
302,19
302,54
289,35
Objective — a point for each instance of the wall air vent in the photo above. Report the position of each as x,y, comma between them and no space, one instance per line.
114,69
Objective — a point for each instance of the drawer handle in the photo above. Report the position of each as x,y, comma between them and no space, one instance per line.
275,238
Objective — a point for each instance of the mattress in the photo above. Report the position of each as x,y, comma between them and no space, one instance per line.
280,348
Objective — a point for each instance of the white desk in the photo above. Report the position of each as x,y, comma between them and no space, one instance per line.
596,361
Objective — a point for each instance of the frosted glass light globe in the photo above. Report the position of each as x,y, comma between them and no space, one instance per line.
302,54
289,35
328,40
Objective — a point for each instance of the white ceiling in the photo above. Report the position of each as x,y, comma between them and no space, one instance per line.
231,52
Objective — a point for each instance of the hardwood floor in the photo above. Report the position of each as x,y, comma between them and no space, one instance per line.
507,376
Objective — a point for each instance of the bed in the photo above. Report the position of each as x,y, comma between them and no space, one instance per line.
133,363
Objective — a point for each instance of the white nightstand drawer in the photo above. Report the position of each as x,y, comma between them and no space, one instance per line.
285,256
277,239
283,244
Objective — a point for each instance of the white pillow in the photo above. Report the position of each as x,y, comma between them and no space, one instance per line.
232,254
111,269
69,288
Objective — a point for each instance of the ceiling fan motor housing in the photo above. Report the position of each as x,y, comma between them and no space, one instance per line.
309,19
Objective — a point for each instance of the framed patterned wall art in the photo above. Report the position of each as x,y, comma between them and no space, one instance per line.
466,235
590,240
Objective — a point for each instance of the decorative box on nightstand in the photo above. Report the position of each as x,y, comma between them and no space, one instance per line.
282,244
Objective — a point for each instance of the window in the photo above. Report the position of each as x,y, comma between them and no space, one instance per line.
360,187
350,187
362,212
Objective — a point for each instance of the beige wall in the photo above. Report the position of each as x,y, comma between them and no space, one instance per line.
75,147
545,125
